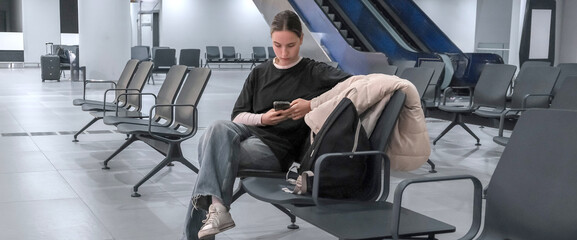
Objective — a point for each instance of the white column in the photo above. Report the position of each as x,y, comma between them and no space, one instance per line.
40,24
566,34
517,15
104,37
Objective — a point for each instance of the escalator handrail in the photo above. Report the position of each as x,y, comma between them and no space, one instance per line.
428,27
417,44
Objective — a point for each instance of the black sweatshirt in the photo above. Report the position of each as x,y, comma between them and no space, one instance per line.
266,84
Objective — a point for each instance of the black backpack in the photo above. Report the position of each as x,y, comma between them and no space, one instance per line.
342,176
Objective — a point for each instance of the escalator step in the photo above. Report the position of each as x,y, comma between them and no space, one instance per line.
345,33
331,16
338,25
358,48
325,9
320,2
351,41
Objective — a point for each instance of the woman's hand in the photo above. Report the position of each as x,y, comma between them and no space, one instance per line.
273,117
299,108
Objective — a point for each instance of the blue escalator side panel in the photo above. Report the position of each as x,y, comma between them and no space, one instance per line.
472,70
376,33
467,66
315,19
349,59
422,26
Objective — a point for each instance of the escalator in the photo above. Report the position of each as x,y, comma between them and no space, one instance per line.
397,28
416,28
345,26
367,33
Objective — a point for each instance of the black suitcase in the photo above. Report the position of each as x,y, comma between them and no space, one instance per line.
50,67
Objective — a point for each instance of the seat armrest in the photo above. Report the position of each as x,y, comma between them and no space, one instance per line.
139,99
99,81
87,81
117,89
505,113
330,156
243,173
526,97
186,135
446,91
477,202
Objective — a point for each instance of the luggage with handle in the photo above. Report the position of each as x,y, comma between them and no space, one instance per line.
50,67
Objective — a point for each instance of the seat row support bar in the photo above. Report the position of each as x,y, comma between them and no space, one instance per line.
173,154
84,128
457,120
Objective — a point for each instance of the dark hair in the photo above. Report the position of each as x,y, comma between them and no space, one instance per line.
287,20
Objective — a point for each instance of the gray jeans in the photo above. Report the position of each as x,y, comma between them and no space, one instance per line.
224,148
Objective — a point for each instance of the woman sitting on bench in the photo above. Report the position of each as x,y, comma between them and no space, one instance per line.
258,137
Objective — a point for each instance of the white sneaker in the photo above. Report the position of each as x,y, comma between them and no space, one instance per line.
217,220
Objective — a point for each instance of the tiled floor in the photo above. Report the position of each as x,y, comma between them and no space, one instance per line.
52,188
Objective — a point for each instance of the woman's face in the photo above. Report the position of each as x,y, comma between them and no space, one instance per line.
286,45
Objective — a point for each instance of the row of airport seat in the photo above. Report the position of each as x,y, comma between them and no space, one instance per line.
228,54
164,57
341,212
539,148
171,120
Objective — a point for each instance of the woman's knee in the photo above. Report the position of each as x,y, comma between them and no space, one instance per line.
218,133
219,125
219,128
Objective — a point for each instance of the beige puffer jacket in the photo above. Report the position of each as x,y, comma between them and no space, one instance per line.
409,147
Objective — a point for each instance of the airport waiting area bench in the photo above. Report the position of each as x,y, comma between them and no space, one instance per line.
230,56
364,218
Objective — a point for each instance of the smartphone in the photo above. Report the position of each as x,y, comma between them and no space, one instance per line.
281,105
